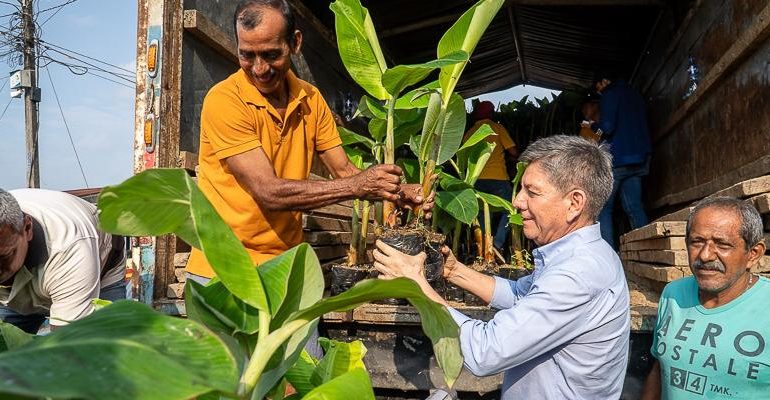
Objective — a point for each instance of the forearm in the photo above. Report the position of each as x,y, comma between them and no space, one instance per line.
302,195
473,281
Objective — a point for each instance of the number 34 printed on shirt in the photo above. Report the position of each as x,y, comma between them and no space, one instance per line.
688,381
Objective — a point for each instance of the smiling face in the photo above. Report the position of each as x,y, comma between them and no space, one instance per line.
544,208
13,249
265,54
718,256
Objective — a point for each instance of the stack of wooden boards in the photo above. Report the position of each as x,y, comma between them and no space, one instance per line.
656,254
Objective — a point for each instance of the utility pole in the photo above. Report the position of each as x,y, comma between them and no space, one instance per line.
31,94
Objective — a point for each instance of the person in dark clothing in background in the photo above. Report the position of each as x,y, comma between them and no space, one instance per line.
623,125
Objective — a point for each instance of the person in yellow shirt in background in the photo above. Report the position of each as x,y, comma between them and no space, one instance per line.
494,179
259,130
590,111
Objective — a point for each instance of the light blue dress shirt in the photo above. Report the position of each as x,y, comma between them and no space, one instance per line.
561,332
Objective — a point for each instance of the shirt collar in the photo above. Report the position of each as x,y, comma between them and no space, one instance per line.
20,279
552,252
252,95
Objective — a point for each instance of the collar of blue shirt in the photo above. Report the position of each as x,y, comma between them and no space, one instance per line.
555,252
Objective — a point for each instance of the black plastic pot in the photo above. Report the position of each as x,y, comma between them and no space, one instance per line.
344,276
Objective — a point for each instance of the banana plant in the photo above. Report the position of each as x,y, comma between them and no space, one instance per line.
362,56
461,200
245,332
445,119
361,209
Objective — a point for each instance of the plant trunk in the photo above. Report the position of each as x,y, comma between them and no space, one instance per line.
489,254
478,238
456,236
389,208
361,239
355,232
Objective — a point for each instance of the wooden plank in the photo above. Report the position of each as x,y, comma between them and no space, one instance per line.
763,266
747,188
749,40
322,238
401,315
655,230
330,252
207,32
180,260
668,257
666,243
317,223
658,273
680,215
181,275
333,210
761,203
175,291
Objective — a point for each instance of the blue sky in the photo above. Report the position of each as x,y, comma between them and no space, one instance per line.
100,114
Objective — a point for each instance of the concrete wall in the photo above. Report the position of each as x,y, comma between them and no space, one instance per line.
720,135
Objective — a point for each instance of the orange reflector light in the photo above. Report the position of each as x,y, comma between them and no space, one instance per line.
152,58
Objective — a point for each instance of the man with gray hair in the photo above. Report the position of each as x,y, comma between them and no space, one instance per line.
563,331
712,329
53,259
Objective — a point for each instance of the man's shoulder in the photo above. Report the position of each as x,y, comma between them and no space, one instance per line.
678,288
226,87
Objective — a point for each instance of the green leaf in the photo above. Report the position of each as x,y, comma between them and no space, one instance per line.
462,204
339,358
121,352
464,35
496,202
293,281
474,159
406,129
515,219
371,108
378,128
301,373
400,77
355,156
359,47
430,125
230,311
450,183
160,201
436,321
417,98
352,385
411,169
453,129
12,337
349,137
521,166
480,134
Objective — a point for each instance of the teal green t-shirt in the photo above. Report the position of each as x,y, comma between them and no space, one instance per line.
718,353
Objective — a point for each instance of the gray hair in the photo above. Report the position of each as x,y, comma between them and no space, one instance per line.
572,162
248,13
751,221
10,212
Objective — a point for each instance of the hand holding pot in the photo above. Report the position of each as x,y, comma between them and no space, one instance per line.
379,182
394,264
450,263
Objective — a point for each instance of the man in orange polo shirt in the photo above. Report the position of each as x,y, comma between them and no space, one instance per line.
259,130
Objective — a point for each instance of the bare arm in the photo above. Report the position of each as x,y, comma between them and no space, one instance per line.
459,274
651,389
254,171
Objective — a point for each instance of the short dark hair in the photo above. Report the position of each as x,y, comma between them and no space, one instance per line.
248,14
751,221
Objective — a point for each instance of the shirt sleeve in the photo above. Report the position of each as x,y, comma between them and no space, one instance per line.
507,292
551,314
504,137
72,280
608,120
228,124
327,136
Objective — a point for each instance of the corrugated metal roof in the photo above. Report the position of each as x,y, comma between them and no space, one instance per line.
562,43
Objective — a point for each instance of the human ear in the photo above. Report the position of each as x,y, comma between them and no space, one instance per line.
577,203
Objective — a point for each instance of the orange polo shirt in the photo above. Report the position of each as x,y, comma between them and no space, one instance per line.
495,167
236,118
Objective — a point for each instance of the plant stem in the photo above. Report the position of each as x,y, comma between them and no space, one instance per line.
364,231
264,325
489,255
262,354
456,236
388,206
355,228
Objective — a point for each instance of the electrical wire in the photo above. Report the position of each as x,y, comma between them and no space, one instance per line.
83,55
72,142
5,109
58,8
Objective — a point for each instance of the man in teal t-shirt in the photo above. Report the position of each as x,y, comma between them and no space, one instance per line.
713,329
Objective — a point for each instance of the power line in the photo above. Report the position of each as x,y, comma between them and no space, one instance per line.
72,142
118,75
83,55
58,8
